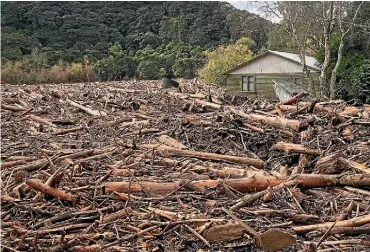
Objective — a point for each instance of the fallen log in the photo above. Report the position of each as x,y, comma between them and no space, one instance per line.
86,109
41,120
253,127
243,185
294,99
66,131
46,189
356,166
282,123
355,222
170,151
295,148
117,215
144,131
123,123
63,228
50,181
164,139
12,108
252,197
205,104
198,121
152,187
12,163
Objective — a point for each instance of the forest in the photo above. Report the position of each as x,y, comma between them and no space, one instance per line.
55,42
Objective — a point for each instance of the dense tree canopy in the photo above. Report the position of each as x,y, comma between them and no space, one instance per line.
147,36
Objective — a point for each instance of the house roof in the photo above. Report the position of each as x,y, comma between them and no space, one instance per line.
311,62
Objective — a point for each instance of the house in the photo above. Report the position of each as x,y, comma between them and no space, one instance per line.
257,76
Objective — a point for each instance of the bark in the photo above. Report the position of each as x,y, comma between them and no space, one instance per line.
330,164
328,27
227,232
333,80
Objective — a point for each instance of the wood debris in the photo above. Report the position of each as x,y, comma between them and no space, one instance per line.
128,166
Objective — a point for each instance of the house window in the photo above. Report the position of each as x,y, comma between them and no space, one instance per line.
248,84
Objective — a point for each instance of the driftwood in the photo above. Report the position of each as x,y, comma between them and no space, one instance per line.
274,121
245,184
355,222
166,140
46,189
294,99
122,165
86,109
295,148
170,151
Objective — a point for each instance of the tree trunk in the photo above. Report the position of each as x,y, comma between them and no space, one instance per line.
325,65
328,27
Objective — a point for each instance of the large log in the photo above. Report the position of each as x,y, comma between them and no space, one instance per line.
251,184
282,123
170,151
355,222
295,148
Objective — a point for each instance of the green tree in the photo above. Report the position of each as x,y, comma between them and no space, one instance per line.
223,59
150,69
186,67
116,65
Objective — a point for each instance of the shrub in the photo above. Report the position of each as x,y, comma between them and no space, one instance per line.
57,74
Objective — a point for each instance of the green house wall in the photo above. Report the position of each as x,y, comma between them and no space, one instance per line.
264,84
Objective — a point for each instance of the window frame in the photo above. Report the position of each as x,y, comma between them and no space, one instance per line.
254,81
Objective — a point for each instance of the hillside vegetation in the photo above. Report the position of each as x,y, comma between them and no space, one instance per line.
81,41
55,42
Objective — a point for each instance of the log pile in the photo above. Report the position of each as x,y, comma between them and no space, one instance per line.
128,166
